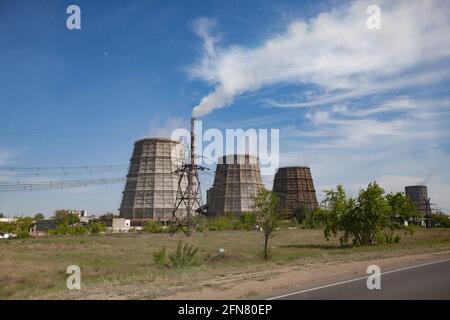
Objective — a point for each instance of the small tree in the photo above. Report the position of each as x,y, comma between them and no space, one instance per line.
38,216
65,217
268,215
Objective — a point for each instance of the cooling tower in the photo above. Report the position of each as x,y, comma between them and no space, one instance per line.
237,179
418,195
295,188
151,185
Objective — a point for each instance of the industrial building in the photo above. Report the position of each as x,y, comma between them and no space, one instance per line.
419,196
151,186
237,180
295,188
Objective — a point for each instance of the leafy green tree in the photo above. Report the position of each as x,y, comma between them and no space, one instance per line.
20,226
268,215
65,217
38,216
441,220
1,215
368,219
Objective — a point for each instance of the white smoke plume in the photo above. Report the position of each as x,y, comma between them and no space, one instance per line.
335,52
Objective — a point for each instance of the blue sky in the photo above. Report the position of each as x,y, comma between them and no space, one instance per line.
354,104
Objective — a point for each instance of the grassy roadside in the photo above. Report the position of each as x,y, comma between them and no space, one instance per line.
36,267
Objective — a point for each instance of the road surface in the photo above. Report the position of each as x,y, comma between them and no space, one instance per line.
429,280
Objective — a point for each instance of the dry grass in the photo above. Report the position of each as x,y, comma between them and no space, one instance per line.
117,264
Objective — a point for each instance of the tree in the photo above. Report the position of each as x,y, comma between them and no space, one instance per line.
38,216
336,207
441,220
370,218
268,215
66,218
301,213
1,215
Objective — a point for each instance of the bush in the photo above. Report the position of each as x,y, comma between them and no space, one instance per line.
441,220
229,221
97,227
66,229
201,223
20,227
79,229
224,222
160,257
183,256
61,229
153,227
247,221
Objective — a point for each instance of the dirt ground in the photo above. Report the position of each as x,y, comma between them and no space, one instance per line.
121,266
268,283
264,285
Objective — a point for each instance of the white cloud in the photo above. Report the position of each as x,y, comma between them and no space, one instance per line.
164,129
353,146
6,156
333,51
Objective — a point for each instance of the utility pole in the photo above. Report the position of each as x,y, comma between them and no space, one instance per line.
189,197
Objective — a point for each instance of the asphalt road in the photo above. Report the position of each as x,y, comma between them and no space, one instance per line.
429,280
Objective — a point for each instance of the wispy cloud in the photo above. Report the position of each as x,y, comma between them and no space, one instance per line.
334,52
164,129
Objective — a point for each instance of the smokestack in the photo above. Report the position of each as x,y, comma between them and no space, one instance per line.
193,141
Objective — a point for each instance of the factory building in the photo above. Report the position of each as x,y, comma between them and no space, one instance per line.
151,185
295,188
419,196
237,180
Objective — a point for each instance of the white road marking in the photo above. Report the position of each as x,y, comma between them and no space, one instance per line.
356,279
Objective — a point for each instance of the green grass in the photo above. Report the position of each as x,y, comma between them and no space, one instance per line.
36,267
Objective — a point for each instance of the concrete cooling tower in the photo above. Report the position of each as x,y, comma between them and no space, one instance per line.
237,179
151,185
295,188
419,196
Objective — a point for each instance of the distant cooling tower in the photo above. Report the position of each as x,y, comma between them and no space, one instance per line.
237,179
151,186
418,195
295,188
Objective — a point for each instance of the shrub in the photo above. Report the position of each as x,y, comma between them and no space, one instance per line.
61,229
66,229
201,223
20,227
224,222
247,221
183,256
79,229
97,227
160,257
153,227
441,220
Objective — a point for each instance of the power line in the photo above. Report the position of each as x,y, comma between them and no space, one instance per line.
48,185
